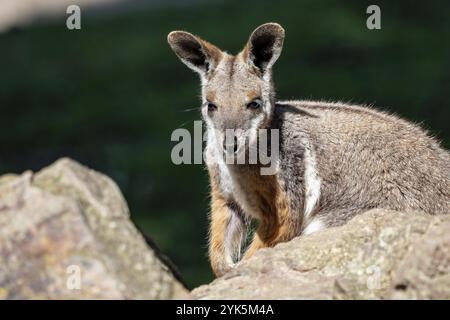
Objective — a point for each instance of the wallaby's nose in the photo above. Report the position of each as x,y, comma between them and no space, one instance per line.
230,147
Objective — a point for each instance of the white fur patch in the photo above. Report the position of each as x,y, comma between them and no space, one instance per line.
312,180
233,239
315,225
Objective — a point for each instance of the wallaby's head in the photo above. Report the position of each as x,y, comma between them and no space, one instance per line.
237,91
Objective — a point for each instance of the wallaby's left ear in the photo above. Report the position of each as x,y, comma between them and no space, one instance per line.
264,46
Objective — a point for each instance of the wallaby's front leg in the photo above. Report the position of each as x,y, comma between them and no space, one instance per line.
256,244
227,232
273,230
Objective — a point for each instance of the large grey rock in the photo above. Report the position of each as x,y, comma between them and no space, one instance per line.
68,224
378,255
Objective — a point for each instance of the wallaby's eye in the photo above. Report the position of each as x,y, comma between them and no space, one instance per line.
255,104
211,107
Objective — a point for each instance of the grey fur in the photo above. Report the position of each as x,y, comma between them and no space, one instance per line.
365,159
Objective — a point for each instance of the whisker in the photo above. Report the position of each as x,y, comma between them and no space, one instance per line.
190,109
183,124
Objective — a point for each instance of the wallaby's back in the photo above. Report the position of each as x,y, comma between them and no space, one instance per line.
364,159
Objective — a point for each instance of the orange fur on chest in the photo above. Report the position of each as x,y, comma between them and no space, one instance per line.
272,204
274,208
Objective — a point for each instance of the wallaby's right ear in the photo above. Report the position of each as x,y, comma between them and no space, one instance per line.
196,53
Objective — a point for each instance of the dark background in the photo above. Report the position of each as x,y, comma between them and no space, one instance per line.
111,94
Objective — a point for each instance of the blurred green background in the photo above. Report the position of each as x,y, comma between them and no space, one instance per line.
111,94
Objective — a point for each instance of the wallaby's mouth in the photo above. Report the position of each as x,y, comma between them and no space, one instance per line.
237,152
231,147
234,149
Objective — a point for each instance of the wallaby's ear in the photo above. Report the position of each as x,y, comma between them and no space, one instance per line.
264,46
196,53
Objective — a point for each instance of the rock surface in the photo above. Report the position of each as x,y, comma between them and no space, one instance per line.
378,255
65,233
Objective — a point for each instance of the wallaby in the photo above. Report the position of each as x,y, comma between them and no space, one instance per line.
335,160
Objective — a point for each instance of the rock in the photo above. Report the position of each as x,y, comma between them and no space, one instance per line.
65,233
424,272
380,254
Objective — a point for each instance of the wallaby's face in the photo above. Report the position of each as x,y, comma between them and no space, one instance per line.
237,91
